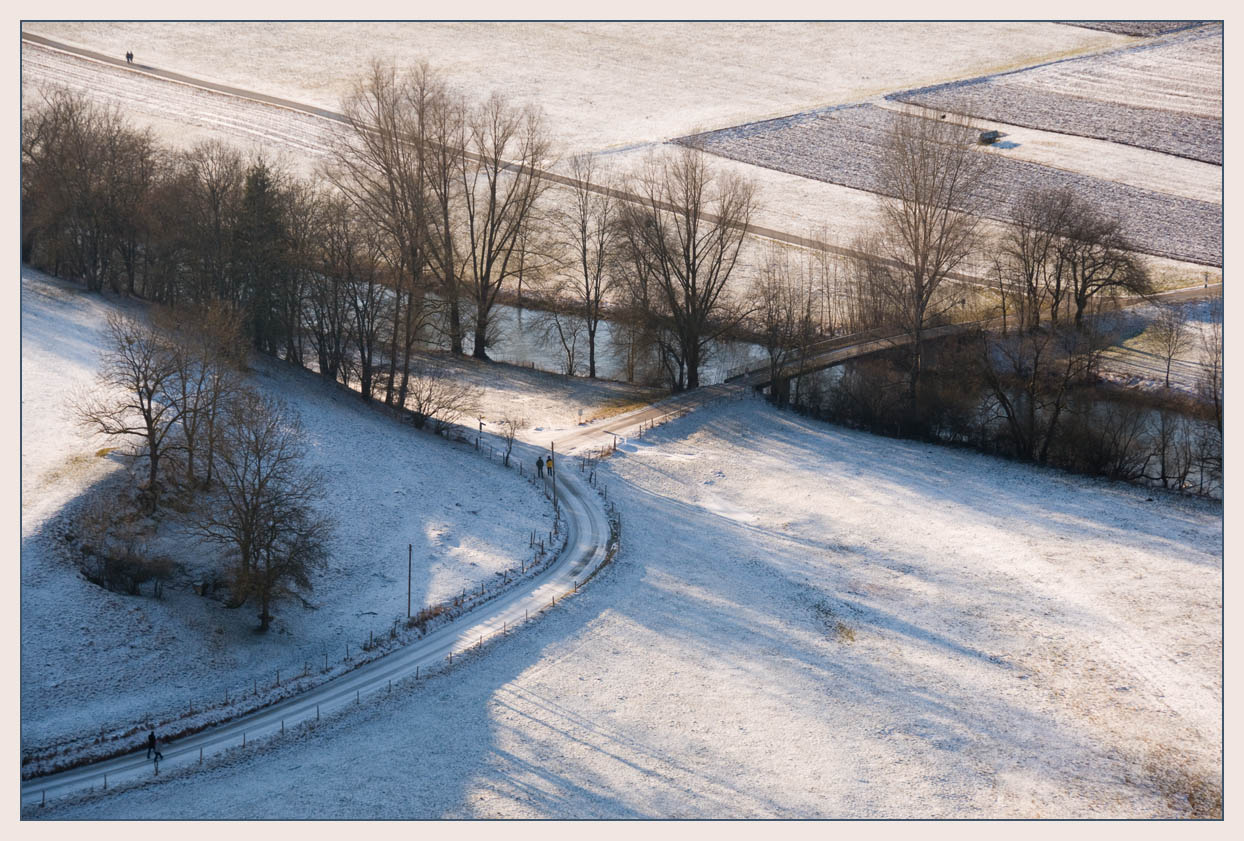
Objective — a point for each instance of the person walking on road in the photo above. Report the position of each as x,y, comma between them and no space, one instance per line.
151,743
155,746
548,464
129,58
540,467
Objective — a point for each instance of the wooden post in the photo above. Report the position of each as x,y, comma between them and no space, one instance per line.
416,672
317,712
410,559
105,782
358,698
282,727
200,754
278,677
243,738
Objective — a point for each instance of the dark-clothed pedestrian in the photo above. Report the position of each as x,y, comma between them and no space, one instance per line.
129,58
156,747
151,743
539,467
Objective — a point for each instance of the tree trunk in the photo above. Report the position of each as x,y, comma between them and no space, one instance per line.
481,330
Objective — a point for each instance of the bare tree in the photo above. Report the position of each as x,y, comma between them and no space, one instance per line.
207,350
1099,258
783,297
443,161
215,177
685,235
137,371
267,518
567,330
439,397
1031,376
1030,249
511,425
1210,386
378,164
588,232
930,173
501,183
1170,334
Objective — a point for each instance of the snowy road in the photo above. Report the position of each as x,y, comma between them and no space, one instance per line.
587,538
588,535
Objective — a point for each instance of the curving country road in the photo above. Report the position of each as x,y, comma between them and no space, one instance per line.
587,539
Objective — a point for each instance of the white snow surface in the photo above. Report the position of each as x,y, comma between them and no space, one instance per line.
93,659
602,84
803,622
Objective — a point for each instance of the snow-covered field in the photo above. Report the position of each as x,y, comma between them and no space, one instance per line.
93,659
601,84
804,622
1164,94
1143,168
839,145
182,115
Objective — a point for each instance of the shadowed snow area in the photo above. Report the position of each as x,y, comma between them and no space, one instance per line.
803,622
94,659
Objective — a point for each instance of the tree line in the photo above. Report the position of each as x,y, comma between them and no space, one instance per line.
431,210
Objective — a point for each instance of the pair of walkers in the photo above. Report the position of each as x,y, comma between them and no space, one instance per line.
153,746
543,464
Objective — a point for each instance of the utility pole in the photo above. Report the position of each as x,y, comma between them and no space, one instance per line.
410,555
552,473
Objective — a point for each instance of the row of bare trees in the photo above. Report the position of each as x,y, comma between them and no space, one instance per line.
431,210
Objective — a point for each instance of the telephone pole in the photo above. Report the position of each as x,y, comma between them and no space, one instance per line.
410,555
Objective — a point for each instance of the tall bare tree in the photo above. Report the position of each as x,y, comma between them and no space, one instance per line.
1099,258
1210,386
1031,251
501,184
268,517
138,368
207,349
783,297
588,232
685,234
378,163
929,177
1170,333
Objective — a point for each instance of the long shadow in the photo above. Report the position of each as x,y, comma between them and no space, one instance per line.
498,735
988,489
